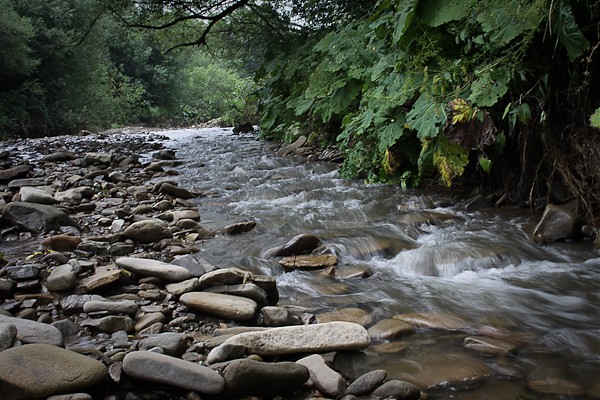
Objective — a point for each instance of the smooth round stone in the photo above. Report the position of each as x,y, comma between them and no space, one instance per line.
180,288
173,344
222,305
398,390
161,368
447,322
390,328
159,269
34,195
62,242
248,290
224,276
147,231
325,379
366,383
356,315
249,377
36,371
61,278
115,307
35,332
316,338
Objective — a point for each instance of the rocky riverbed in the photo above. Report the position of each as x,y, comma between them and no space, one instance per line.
105,294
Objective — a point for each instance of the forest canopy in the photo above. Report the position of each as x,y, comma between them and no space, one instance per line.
461,92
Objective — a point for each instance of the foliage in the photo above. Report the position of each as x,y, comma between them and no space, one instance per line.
421,85
595,119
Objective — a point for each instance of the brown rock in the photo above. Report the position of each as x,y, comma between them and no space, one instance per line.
62,243
309,261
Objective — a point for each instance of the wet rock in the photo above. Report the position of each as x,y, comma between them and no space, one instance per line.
351,364
222,305
8,334
36,371
557,223
195,263
34,195
24,272
248,377
180,288
556,387
351,314
246,127
147,231
390,328
397,389
62,243
366,383
36,218
290,149
160,368
110,324
491,346
240,227
166,154
317,338
434,321
177,216
175,191
73,396
14,172
34,332
325,379
159,269
279,316
61,278
309,261
298,245
173,344
224,276
114,307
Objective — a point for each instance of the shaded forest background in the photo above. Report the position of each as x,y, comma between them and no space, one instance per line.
499,95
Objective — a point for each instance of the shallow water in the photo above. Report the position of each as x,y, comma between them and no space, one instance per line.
425,256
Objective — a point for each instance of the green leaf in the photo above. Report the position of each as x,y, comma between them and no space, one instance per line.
450,160
490,87
343,97
504,20
595,119
391,133
403,20
524,113
565,27
426,116
438,12
485,163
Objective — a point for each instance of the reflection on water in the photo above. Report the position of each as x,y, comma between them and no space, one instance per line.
424,256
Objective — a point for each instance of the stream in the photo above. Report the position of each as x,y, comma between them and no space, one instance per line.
423,253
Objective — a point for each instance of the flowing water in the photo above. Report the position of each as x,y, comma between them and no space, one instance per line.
425,255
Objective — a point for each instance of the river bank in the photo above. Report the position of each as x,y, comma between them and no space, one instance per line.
142,259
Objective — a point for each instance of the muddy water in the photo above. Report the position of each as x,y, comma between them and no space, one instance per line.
425,254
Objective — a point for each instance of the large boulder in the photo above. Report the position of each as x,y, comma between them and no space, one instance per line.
557,223
36,371
36,218
316,338
34,332
300,244
14,172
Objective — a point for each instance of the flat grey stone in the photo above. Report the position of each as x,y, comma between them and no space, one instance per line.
115,307
159,269
366,383
222,305
61,278
316,338
325,379
109,324
161,368
173,344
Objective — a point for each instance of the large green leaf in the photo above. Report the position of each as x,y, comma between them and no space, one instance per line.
426,116
437,12
504,20
490,87
565,27
391,133
403,19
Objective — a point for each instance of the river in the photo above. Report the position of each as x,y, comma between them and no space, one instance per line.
424,253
